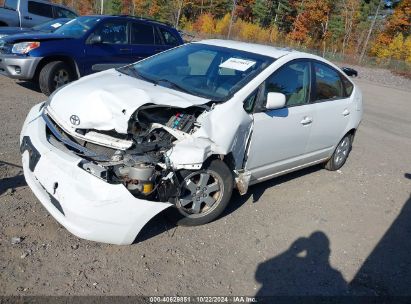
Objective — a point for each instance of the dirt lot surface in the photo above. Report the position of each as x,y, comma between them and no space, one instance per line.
311,232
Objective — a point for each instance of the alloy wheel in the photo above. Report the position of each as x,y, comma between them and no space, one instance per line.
61,78
200,193
341,153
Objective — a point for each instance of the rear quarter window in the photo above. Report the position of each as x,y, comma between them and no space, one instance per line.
328,82
348,86
168,37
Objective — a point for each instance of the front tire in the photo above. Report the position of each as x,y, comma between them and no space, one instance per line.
204,194
340,154
54,75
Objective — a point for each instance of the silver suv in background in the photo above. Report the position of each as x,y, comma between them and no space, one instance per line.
28,13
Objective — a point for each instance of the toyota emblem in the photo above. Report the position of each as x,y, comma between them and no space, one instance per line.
75,120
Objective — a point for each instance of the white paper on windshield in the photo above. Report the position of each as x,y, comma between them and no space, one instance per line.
56,25
237,64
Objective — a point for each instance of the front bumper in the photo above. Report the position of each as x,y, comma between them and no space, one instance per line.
87,206
18,67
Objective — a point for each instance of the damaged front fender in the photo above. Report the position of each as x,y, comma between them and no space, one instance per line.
225,129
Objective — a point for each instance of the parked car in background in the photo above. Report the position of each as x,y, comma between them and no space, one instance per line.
28,13
46,27
83,46
184,128
350,72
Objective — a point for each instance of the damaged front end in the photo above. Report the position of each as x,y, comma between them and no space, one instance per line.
140,159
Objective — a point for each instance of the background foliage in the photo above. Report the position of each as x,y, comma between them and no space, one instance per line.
379,28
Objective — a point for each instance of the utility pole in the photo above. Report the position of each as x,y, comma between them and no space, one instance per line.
231,19
101,7
369,32
276,12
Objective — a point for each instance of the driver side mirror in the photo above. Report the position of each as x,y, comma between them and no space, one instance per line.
275,101
95,39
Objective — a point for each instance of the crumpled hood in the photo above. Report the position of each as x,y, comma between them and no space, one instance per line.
106,100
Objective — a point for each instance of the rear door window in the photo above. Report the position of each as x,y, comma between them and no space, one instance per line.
40,9
328,83
142,34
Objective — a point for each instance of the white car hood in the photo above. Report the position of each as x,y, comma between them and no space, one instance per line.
105,101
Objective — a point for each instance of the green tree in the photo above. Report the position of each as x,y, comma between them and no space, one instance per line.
116,7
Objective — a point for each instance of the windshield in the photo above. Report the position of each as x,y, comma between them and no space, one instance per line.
50,26
76,28
199,69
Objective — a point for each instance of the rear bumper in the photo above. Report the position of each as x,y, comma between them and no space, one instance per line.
87,206
17,67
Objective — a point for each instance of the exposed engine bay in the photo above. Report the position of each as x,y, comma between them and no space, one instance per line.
144,168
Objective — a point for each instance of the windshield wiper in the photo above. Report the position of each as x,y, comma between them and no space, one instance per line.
173,85
134,73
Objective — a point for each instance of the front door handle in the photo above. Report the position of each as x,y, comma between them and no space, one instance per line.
27,18
346,112
125,50
306,121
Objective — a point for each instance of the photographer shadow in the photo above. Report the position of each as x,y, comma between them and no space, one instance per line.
11,183
302,270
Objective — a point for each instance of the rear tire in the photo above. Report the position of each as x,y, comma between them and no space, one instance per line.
54,75
340,154
204,194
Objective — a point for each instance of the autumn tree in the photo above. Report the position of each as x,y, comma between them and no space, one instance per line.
398,26
205,24
407,49
87,7
221,27
311,22
244,9
126,7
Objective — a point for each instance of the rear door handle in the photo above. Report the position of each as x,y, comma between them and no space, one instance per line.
125,50
346,112
306,121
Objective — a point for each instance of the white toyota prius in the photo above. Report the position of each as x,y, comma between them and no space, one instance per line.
183,129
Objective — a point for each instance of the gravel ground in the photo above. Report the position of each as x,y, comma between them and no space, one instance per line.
381,76
309,232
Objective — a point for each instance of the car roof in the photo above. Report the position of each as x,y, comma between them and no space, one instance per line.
267,50
134,18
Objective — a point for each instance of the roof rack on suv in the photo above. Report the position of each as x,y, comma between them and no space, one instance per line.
145,19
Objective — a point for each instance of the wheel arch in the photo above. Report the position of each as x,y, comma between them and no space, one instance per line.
67,59
228,159
352,132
